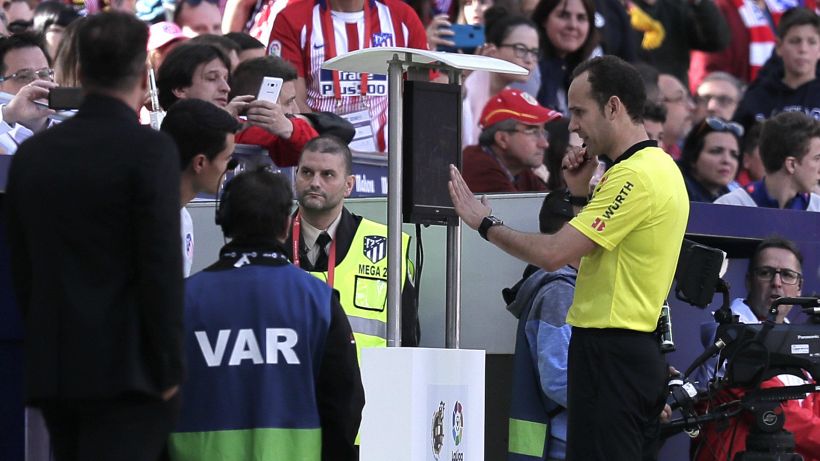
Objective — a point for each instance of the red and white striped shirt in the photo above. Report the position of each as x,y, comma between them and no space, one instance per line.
299,36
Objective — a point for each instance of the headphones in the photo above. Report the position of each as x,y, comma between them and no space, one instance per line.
222,211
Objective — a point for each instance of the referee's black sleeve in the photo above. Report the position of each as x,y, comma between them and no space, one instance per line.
339,390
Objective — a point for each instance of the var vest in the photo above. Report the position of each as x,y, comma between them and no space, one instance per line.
361,280
254,340
530,409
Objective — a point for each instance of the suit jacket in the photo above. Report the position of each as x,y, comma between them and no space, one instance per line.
93,224
348,225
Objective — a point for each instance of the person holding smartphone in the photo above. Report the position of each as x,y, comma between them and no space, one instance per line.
25,74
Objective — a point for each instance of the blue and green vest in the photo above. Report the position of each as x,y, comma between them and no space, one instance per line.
254,339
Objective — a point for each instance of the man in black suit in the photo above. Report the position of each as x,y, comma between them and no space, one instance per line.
93,221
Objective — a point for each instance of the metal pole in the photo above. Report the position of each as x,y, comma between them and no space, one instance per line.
452,316
394,174
452,324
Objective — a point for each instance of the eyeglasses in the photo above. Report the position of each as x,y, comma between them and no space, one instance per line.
787,276
26,76
721,99
535,131
522,51
720,125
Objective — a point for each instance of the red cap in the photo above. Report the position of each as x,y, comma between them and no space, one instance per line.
516,105
163,33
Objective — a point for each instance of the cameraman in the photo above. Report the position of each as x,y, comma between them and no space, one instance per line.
774,271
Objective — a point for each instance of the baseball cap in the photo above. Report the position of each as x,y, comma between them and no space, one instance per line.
163,33
517,105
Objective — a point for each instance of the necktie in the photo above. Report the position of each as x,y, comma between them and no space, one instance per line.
321,258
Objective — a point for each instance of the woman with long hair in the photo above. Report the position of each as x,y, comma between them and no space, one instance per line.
568,37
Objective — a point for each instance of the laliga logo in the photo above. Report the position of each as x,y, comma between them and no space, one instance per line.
458,422
438,430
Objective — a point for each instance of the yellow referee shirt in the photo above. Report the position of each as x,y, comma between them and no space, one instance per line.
637,216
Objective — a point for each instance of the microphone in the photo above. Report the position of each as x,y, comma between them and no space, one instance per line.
716,347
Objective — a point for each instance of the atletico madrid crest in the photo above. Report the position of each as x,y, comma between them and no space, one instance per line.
375,248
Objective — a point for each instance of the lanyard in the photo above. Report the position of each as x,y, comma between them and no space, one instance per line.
331,258
330,47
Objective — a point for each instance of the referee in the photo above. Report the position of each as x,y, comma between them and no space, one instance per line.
629,237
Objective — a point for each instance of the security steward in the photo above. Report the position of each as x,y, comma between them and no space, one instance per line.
628,237
272,364
345,250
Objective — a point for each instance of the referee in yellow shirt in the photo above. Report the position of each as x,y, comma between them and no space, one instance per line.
629,237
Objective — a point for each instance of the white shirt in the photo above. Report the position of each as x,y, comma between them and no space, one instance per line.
310,234
12,136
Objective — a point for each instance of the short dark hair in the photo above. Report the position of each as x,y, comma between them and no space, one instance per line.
198,127
177,71
244,41
787,134
612,76
112,48
326,144
248,75
774,242
256,205
654,112
751,140
20,41
220,41
794,17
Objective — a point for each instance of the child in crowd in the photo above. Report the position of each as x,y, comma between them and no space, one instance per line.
796,88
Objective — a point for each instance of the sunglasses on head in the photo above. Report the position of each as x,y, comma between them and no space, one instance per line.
722,126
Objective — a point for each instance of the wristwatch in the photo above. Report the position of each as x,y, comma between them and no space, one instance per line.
486,224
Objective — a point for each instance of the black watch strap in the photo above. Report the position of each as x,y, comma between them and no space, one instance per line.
577,200
486,224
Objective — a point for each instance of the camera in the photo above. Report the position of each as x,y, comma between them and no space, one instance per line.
753,353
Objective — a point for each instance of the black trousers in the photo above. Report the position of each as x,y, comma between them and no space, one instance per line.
616,391
133,428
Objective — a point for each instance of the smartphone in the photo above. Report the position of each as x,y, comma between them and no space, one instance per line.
465,37
65,98
269,89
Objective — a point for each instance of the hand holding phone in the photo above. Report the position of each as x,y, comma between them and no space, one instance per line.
65,98
269,89
465,37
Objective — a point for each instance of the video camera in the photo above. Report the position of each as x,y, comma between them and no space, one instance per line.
752,353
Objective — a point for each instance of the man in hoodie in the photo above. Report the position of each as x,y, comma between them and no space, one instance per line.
796,88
